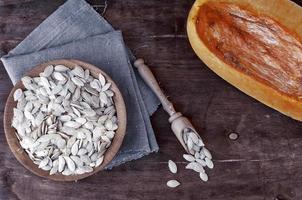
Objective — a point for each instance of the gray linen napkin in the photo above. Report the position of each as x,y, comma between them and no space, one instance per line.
75,30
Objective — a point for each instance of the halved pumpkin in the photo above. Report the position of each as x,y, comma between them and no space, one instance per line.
245,42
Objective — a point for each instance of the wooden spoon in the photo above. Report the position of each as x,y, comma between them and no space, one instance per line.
178,122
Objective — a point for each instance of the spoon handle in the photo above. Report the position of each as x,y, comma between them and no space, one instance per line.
149,78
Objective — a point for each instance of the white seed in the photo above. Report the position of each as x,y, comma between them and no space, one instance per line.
67,172
85,159
47,71
70,163
102,119
95,84
108,124
202,162
194,137
185,137
81,135
203,176
196,148
77,81
110,134
103,98
28,115
172,166
71,141
46,168
86,74
207,153
58,76
106,87
72,124
201,155
75,148
41,153
61,164
81,120
61,143
173,183
45,82
65,119
61,68
190,143
78,71
99,161
88,169
88,125
209,163
195,166
82,152
188,157
44,162
200,143
26,79
18,94
53,170
102,79
77,160
80,170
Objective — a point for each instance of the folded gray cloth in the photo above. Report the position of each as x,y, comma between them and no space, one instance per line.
76,31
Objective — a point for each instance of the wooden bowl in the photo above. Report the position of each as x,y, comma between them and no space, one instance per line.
20,153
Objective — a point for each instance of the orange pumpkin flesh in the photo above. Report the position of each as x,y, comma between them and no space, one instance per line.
254,48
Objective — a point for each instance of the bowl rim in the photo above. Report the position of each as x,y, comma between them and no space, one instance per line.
21,154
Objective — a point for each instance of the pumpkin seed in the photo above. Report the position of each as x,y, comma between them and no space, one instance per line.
173,183
61,68
70,163
189,158
172,166
207,153
18,94
65,119
203,176
102,79
58,76
47,71
209,163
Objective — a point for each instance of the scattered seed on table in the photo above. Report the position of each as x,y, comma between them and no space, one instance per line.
172,166
173,183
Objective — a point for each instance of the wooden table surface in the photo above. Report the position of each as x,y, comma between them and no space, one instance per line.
265,162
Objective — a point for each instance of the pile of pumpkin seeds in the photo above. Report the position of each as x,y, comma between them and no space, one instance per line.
65,119
199,157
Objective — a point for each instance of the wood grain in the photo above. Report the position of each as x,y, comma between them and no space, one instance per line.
264,163
20,153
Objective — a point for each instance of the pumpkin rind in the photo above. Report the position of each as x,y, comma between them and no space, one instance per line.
285,12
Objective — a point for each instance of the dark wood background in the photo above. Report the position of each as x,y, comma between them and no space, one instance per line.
264,163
